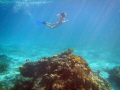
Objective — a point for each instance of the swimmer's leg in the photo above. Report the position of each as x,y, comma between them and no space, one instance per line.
55,25
50,25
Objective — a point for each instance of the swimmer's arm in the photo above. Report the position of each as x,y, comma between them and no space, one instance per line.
58,18
65,20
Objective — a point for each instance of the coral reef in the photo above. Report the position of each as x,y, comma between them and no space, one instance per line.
4,63
64,71
3,67
114,75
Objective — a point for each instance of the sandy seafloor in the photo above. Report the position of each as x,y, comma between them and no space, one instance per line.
93,31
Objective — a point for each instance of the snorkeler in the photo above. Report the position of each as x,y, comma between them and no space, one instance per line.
61,19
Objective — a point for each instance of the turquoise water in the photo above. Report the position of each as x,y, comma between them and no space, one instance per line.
93,30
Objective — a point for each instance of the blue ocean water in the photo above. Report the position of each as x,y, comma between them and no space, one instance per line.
93,30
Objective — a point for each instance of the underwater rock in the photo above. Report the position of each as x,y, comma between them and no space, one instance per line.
4,58
4,63
3,67
64,71
114,75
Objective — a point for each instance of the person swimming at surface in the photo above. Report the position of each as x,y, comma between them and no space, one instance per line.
61,19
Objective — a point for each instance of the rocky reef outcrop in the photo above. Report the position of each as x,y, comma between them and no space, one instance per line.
4,63
114,75
64,71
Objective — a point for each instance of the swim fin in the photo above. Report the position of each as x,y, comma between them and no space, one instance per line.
41,22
